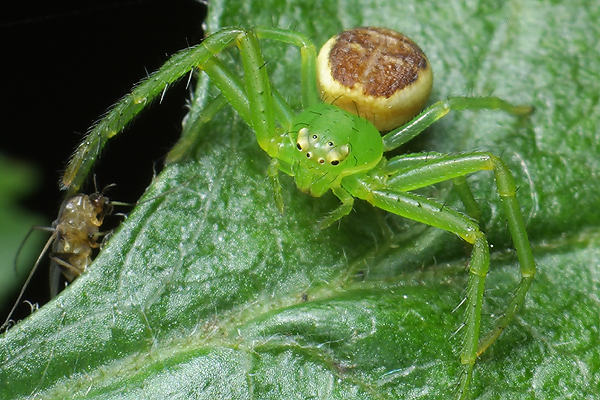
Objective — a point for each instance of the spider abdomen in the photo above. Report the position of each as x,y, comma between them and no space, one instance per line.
376,73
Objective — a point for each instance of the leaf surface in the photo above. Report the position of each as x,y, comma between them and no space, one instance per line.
209,292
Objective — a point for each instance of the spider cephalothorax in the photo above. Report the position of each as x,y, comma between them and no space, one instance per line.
326,137
321,148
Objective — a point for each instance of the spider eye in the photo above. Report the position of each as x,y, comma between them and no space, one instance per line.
338,154
302,140
321,160
308,155
330,144
314,137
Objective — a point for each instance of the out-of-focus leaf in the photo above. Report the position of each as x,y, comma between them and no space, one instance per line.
16,180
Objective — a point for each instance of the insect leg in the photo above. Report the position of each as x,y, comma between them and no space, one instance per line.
55,272
72,269
405,133
33,269
33,228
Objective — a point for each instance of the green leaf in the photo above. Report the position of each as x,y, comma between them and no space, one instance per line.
209,292
16,180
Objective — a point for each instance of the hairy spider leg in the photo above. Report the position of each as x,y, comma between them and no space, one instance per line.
231,92
433,213
258,86
466,197
257,103
132,104
386,188
257,91
403,134
407,132
441,167
431,114
308,59
226,81
409,161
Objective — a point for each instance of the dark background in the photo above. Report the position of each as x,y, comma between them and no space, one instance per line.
64,64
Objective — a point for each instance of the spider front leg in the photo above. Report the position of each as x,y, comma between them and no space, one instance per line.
432,213
257,103
143,94
232,93
411,172
254,94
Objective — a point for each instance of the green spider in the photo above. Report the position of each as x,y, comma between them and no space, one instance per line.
325,147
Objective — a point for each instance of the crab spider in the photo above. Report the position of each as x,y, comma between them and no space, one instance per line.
326,147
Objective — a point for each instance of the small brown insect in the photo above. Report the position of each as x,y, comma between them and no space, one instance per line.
75,234
77,230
